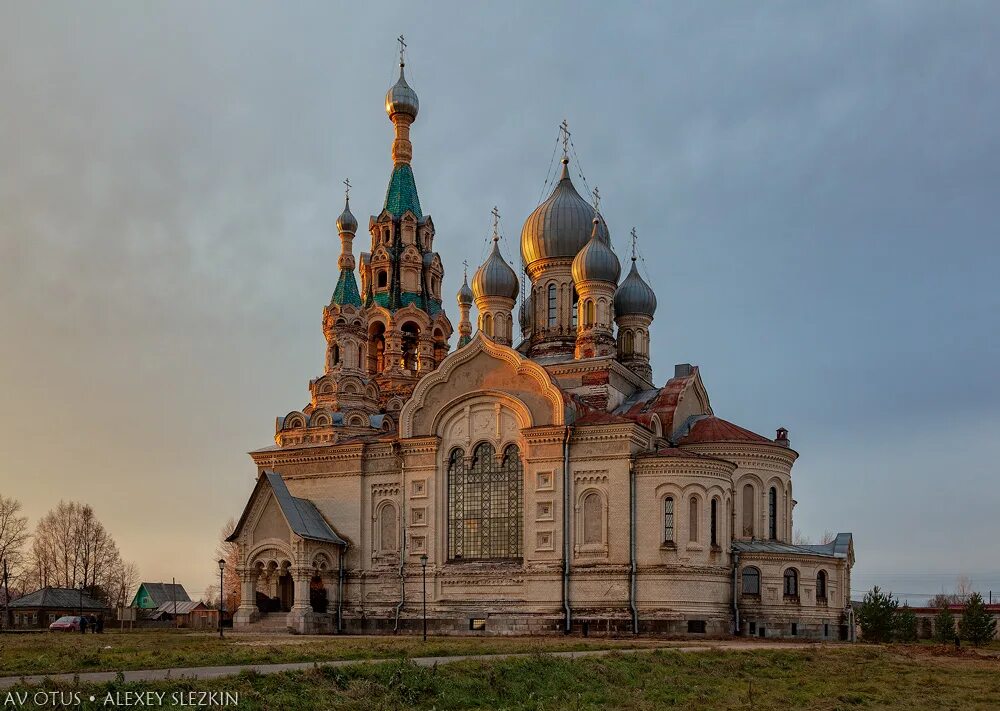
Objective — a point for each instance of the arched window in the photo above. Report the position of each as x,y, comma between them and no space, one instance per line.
382,279
485,504
376,347
388,541
791,583
772,514
590,313
714,521
593,527
821,585
576,301
751,581
748,507
551,319
668,519
336,354
628,343
410,336
693,518
488,325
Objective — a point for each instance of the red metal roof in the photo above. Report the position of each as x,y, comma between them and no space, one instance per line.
715,429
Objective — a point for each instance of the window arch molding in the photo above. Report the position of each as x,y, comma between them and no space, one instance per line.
750,581
790,583
822,585
385,525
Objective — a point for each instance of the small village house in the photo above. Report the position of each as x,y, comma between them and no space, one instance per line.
39,609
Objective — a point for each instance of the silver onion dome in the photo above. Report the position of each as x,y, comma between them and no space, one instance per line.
401,99
347,222
560,226
465,294
495,277
596,261
634,296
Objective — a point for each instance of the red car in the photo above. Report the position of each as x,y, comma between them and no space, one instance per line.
70,623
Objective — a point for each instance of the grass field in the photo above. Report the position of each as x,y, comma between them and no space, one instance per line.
828,677
51,653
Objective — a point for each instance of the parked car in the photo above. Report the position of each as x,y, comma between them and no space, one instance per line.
69,623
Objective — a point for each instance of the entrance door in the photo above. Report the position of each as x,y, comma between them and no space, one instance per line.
286,592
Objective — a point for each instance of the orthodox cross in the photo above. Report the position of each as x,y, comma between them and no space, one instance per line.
465,271
564,130
347,189
597,199
633,244
402,47
496,223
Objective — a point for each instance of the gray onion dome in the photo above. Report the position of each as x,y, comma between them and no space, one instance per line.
596,261
634,296
560,226
465,295
347,222
401,99
495,277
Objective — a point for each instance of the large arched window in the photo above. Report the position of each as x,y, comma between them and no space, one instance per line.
693,519
751,581
590,317
748,507
485,504
821,585
791,583
772,514
628,343
593,526
668,520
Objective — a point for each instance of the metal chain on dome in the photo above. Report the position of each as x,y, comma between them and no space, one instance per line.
549,172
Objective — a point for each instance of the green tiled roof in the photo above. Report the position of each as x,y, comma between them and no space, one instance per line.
346,293
402,193
407,298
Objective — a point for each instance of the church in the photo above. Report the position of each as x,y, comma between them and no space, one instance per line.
529,486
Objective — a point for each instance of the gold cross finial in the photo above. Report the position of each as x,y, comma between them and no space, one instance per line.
465,270
597,199
496,223
564,130
347,188
402,47
633,243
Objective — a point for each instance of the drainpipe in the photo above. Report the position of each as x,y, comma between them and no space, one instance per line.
736,597
633,571
567,611
340,591
402,546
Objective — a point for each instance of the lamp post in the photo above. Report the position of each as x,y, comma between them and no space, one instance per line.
423,574
82,625
222,569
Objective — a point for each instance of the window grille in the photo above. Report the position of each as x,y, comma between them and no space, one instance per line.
485,504
668,519
751,581
791,583
772,514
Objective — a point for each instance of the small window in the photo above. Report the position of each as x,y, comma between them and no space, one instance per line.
696,626
693,519
826,629
668,520
760,631
477,624
552,305
821,585
753,628
715,523
488,325
795,629
772,514
382,279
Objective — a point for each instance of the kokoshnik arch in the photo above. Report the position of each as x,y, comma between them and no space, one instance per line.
550,483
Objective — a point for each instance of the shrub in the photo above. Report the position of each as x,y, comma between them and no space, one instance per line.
905,624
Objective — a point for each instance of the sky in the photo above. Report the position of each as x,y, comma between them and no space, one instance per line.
814,187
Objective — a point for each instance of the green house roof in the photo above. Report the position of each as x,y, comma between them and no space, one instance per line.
346,293
402,193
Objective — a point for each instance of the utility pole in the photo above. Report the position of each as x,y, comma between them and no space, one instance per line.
173,594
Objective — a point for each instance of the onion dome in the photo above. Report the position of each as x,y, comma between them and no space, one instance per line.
596,261
347,222
634,296
495,277
526,316
560,226
465,294
401,99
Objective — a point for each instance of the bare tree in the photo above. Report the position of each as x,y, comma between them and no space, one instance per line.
123,583
229,551
828,537
13,536
800,539
963,588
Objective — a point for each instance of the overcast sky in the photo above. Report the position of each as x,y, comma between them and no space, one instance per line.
815,188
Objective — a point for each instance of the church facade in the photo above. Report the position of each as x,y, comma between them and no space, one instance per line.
541,486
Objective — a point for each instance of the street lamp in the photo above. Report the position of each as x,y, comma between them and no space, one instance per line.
82,627
222,568
423,572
